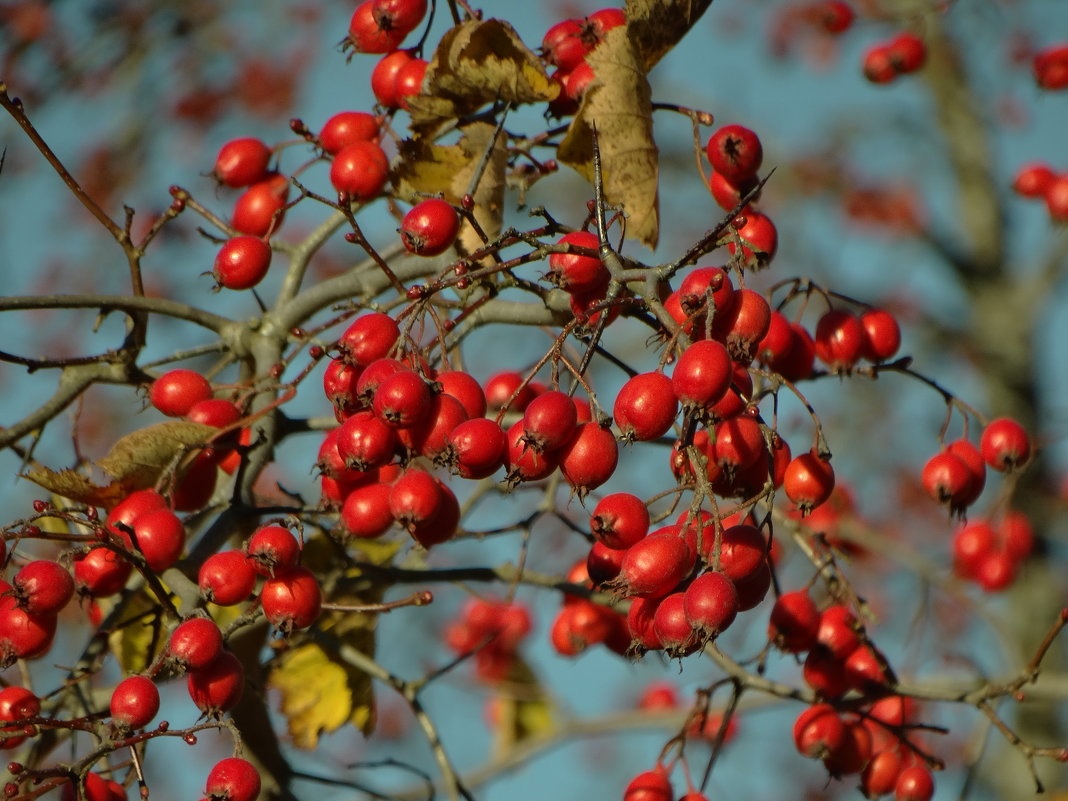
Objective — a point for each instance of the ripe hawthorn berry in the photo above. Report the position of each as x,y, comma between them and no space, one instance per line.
589,458
710,603
442,526
217,687
501,387
101,572
524,462
914,784
226,578
272,547
839,631
402,399
743,324
345,128
575,272
882,335
16,703
370,337
728,194
292,598
367,36
476,448
365,514
840,340
1056,197
549,421
619,520
808,481
654,566
1005,444
1033,180
134,702
260,209
652,785
233,779
735,153
242,262
195,643
409,81
242,162
672,626
948,480
364,441
645,407
430,227
360,171
23,635
42,586
466,389
819,731
907,52
384,77
878,65
702,374
795,622
175,392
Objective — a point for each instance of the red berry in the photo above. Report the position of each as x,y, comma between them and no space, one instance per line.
1050,67
464,388
242,162
233,779
795,622
564,44
402,399
134,702
619,520
195,643
403,15
16,703
672,626
655,565
1033,180
577,273
948,480
367,36
907,52
1056,197
366,513
882,335
159,536
523,461
839,631
645,407
711,603
101,572
702,374
735,152
175,392
242,262
914,784
364,441
500,387
384,77
409,81
840,340
878,65
272,547
430,228
217,687
345,128
226,578
653,785
360,171
260,208
291,599
1005,444
477,447
589,458
818,731
809,481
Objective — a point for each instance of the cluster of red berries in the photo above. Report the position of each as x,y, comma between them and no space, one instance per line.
990,553
867,742
493,632
566,45
1040,182
901,55
379,27
956,475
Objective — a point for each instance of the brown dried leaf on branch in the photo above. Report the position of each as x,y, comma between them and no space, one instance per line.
475,63
426,169
136,461
618,104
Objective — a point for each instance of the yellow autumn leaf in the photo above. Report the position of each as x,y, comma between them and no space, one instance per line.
656,26
316,694
479,62
522,709
138,638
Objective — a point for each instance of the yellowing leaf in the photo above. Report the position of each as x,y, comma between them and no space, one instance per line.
479,62
521,709
139,459
136,644
429,169
316,693
656,26
618,103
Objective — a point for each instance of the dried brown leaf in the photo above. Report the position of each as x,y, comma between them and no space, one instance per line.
618,103
479,62
656,26
139,459
77,487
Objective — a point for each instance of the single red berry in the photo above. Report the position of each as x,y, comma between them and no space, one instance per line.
549,421
878,65
233,779
728,194
996,570
818,731
652,785
478,447
619,520
839,631
242,162
880,775
702,374
948,480
589,458
16,703
1050,67
711,603
260,208
409,81
1033,180
655,565
367,36
134,702
291,599
384,77
908,52
101,572
840,340
795,622
825,673
195,643
402,399
242,262
836,16
743,324
345,128
672,626
466,389
360,171
43,586
175,392
1005,444
217,687
500,387
914,784
1056,197
735,152
808,481
366,513
882,335
575,272
1017,535
226,578
430,228
524,462
645,407
272,547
